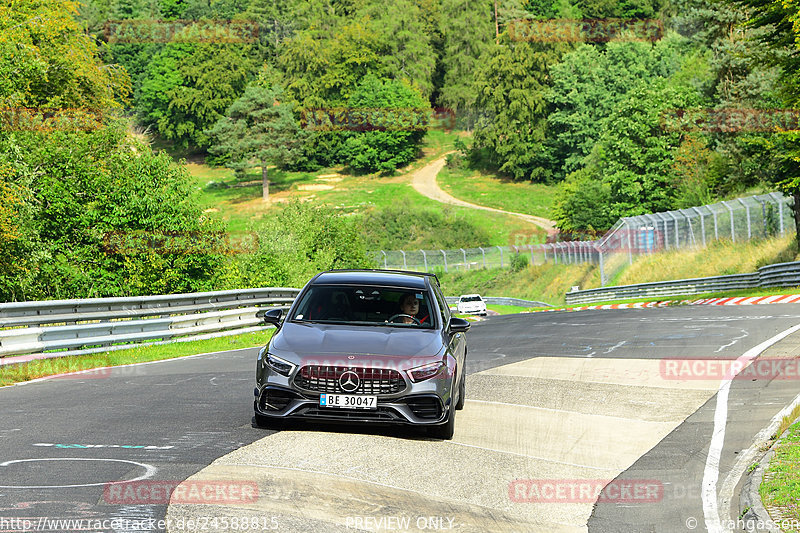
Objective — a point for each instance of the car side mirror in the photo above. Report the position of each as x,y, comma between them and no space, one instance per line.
271,316
458,325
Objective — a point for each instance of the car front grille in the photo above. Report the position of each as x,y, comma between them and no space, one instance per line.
322,378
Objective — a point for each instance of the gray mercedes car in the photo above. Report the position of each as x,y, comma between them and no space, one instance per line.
365,346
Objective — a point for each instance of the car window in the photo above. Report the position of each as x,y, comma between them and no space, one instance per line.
365,305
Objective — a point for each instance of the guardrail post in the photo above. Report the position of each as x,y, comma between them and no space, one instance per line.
483,253
445,259
733,229
747,210
384,260
425,258
501,256
464,255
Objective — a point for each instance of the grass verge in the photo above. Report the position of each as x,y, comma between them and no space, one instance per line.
19,372
501,193
780,489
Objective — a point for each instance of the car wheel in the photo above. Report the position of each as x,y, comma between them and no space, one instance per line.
446,430
462,393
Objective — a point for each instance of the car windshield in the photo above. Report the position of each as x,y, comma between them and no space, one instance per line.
470,298
368,306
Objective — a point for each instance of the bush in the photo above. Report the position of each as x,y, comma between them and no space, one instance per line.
406,226
294,244
76,190
518,262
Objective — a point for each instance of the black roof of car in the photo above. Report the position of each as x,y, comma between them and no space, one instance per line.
388,278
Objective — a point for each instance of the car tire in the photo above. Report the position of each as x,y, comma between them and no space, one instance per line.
447,430
462,393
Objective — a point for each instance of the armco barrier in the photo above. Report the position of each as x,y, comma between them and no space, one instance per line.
67,327
56,328
778,275
498,300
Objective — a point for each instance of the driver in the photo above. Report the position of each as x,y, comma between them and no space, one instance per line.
409,305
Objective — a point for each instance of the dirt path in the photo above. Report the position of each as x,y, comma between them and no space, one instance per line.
424,181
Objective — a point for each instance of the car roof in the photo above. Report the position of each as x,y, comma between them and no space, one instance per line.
387,278
469,295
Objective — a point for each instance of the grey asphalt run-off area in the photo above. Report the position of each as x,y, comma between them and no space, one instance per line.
575,397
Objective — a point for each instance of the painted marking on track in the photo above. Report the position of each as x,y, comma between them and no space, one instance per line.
618,345
711,471
86,446
150,471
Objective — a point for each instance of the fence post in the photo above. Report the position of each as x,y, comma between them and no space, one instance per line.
630,244
445,259
602,270
747,210
763,214
555,252
666,230
533,261
677,232
483,253
733,229
425,258
501,256
702,224
464,255
405,267
716,226
544,251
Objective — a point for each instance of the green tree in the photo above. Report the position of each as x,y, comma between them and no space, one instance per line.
468,30
77,190
406,49
257,130
46,60
400,142
511,83
188,86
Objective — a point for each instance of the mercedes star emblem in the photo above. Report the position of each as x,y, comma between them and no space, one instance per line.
349,381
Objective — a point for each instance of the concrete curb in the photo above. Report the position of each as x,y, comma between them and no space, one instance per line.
750,499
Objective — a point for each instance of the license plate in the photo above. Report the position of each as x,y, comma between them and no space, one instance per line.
348,401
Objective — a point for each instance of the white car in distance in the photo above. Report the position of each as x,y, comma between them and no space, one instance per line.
471,304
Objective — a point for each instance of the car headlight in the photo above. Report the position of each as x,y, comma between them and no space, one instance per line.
421,373
281,366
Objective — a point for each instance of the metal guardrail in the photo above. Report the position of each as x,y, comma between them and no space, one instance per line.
499,300
777,275
55,328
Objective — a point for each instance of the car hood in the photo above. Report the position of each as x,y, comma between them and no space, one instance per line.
323,339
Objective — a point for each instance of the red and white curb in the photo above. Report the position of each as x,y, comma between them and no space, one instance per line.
739,300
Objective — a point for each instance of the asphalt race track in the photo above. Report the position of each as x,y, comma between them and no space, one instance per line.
560,405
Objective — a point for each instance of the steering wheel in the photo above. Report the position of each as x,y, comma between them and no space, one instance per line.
391,319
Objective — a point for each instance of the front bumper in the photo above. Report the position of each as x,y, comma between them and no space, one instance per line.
412,409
